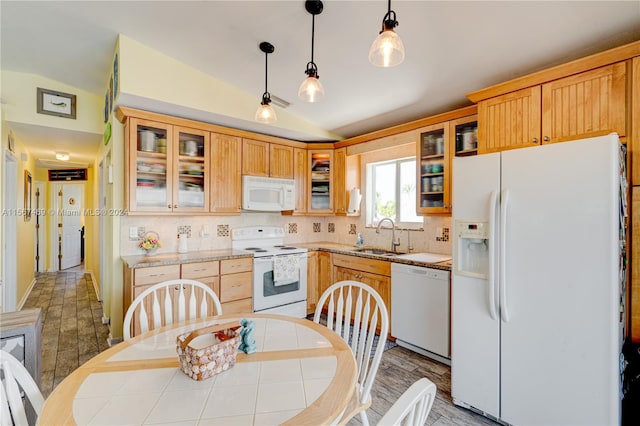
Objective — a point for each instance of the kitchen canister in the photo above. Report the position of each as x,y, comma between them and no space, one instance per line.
182,243
147,140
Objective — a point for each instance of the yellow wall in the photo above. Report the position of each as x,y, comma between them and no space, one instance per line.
150,74
25,229
19,93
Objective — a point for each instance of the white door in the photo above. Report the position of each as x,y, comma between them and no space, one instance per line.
71,219
560,306
8,293
475,333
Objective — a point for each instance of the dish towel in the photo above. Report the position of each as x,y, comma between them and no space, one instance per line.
286,269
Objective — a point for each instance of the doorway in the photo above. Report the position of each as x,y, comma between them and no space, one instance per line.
8,292
41,228
68,230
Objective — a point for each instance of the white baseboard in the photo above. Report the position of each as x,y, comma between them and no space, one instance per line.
26,295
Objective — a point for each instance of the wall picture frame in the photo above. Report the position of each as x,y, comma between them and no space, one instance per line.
27,196
59,104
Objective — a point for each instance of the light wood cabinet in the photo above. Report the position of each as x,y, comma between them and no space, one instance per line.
586,104
321,185
374,273
267,159
167,168
230,279
433,169
300,176
312,281
226,174
236,285
346,176
325,272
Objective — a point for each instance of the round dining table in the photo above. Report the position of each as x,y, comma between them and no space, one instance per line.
302,373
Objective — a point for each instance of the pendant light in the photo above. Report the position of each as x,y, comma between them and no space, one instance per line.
265,113
311,89
387,49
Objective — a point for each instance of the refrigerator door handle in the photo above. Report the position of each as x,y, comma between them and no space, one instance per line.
492,252
504,204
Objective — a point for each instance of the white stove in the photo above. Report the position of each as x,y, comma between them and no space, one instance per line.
279,270
262,241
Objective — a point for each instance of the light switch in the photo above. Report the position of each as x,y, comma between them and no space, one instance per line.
206,230
133,232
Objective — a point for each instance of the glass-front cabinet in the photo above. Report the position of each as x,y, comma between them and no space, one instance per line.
436,147
190,170
320,181
433,169
168,168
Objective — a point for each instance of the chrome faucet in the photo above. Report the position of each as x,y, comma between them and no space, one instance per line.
394,243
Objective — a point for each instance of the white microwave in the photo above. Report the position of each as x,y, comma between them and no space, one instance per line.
267,194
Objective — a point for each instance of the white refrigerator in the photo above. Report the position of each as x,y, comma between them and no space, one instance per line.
537,284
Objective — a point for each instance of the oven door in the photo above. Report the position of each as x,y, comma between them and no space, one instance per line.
269,294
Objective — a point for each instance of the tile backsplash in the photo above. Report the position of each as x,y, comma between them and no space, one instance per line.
298,229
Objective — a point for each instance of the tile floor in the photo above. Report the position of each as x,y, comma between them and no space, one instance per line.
72,333
72,329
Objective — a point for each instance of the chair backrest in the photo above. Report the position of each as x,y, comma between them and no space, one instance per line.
413,406
168,302
355,311
15,380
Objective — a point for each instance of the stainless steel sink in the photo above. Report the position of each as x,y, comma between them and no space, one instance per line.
375,251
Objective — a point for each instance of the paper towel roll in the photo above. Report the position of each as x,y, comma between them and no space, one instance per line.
354,200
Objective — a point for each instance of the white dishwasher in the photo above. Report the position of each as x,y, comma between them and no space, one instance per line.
420,310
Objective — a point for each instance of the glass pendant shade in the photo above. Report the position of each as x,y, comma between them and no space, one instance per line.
265,114
311,89
387,49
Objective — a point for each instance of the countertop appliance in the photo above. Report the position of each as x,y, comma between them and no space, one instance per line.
538,283
420,310
279,270
267,194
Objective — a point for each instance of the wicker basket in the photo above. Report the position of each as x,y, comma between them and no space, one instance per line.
204,362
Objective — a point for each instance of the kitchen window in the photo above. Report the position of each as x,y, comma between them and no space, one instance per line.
391,192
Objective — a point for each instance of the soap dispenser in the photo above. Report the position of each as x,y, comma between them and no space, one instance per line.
182,243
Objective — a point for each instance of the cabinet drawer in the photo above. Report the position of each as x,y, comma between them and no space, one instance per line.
200,269
156,274
379,267
236,286
232,266
238,307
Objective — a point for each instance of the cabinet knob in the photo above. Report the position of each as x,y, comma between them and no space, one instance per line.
169,206
546,139
534,140
175,206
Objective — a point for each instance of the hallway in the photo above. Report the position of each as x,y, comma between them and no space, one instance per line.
72,329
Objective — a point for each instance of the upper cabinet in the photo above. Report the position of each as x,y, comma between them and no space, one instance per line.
320,181
433,174
267,159
167,169
226,174
300,177
587,97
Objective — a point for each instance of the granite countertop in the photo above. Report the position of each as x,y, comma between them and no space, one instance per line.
352,251
142,261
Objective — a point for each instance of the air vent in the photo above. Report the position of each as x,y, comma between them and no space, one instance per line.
279,102
68,174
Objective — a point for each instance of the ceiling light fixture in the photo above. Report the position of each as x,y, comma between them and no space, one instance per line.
265,113
311,89
62,156
387,49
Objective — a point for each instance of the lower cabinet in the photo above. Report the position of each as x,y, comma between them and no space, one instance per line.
374,273
236,285
230,279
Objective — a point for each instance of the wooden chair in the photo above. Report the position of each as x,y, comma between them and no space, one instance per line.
15,380
168,302
413,406
355,311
